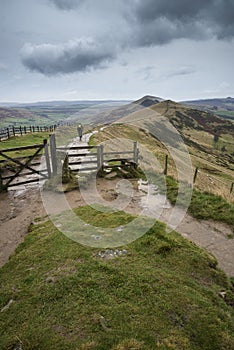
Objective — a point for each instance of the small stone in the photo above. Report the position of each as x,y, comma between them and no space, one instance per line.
6,307
120,228
50,279
222,294
97,238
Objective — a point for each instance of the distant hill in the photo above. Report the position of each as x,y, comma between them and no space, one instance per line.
180,115
215,103
15,116
206,134
148,101
183,116
52,112
224,107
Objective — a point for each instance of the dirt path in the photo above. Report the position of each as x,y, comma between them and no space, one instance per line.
19,209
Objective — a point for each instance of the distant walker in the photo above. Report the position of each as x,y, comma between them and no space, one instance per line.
80,131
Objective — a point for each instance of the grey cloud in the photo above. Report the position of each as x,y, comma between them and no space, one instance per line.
76,55
148,10
180,71
3,66
161,21
162,31
143,23
66,4
146,72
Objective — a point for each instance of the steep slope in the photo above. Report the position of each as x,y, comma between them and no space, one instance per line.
185,116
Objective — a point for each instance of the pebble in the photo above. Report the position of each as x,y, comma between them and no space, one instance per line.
111,254
97,238
7,306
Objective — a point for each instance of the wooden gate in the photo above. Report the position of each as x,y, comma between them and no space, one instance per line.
93,158
24,167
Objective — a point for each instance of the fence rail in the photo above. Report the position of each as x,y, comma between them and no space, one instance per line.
11,131
18,174
97,160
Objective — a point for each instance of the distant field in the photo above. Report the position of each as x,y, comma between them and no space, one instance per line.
226,114
42,116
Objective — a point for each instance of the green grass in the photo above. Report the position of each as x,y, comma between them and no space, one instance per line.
226,114
204,205
164,294
24,140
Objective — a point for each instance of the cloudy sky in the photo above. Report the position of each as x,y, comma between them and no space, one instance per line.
116,49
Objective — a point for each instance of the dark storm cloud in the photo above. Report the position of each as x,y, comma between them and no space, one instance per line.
161,21
76,55
143,23
66,4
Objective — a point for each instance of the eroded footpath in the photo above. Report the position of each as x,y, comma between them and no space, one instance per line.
18,209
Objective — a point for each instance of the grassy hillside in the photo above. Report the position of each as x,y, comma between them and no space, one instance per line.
223,107
216,172
198,130
165,293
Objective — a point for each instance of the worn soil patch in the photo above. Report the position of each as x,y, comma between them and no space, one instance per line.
19,209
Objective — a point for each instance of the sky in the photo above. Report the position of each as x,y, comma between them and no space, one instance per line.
116,49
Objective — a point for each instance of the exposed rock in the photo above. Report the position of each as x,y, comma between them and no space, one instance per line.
111,254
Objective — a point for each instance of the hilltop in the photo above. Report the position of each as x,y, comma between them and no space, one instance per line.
148,101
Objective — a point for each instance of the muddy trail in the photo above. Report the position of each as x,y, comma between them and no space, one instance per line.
18,209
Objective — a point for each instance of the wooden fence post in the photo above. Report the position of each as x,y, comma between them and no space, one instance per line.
135,154
8,133
53,154
195,175
100,157
25,130
1,184
232,186
166,165
13,129
47,157
20,130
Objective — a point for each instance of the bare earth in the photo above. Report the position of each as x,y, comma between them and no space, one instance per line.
18,209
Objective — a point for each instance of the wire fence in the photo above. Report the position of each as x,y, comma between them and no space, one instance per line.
221,183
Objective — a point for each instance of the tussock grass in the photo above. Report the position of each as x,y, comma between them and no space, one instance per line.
204,205
164,294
